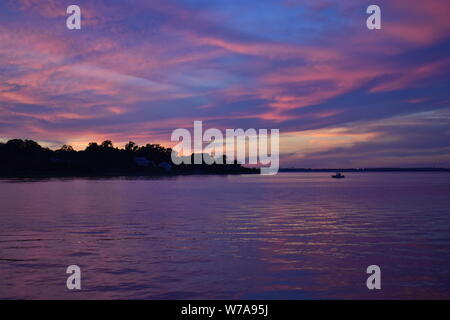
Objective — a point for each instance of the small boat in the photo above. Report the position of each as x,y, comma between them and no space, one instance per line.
338,176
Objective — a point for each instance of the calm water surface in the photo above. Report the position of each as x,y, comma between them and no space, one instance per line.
290,236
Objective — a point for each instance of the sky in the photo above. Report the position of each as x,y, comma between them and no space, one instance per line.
340,94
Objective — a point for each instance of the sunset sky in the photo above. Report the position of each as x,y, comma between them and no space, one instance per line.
341,95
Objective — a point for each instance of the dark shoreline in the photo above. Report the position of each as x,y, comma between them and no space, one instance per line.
143,174
27,159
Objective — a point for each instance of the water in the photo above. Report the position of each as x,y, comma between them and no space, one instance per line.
290,236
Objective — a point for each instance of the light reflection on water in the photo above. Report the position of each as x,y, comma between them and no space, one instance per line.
290,236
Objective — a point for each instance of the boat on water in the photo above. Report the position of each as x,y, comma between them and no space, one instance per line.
338,176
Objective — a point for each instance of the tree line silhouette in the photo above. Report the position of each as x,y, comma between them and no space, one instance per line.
27,158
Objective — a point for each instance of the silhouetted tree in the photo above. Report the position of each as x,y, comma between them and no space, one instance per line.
66,148
131,147
92,146
107,144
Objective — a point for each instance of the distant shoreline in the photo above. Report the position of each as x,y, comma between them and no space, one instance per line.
366,170
241,171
